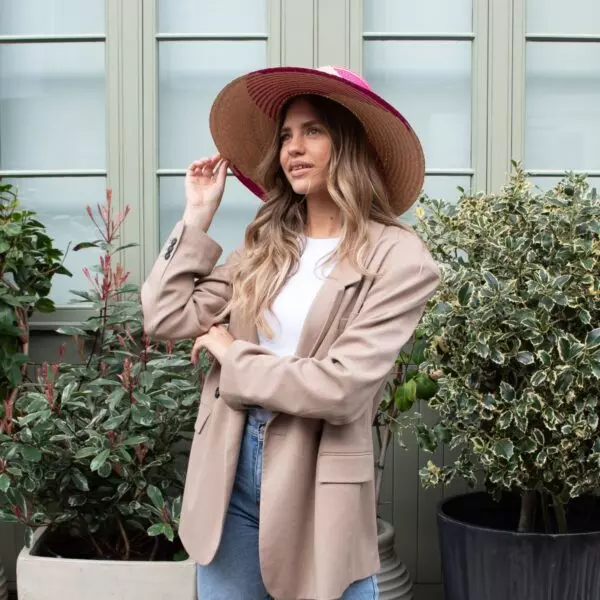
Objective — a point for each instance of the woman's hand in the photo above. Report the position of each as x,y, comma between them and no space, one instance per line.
204,186
217,341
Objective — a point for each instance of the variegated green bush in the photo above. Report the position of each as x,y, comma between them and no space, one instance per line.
515,326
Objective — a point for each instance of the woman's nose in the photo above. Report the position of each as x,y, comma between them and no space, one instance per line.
295,145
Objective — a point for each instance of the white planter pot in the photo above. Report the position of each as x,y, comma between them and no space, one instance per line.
42,578
393,578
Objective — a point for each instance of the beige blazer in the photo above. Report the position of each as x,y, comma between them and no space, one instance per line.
318,529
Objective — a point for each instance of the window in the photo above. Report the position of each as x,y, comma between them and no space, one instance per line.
199,51
53,116
97,93
419,58
562,89
101,93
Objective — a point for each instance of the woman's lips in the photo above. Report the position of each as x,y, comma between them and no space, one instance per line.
299,172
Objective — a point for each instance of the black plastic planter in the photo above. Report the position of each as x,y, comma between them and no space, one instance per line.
483,559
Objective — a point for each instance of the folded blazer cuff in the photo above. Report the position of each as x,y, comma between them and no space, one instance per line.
228,387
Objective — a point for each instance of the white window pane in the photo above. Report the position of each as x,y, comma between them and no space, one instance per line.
52,106
208,16
439,186
445,186
430,84
237,210
60,205
558,16
548,182
52,17
562,106
425,16
190,76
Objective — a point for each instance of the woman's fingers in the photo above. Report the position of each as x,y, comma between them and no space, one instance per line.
197,164
211,167
204,166
222,172
197,348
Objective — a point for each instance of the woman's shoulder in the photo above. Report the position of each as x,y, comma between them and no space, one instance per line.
401,245
400,237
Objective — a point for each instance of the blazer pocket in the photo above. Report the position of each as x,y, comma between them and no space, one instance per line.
203,414
345,468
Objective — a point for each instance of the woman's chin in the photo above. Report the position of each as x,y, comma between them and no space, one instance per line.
305,187
300,188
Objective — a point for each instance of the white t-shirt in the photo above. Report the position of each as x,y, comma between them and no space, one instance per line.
294,300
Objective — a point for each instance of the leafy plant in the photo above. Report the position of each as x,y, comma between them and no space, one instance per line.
515,331
28,262
96,450
408,383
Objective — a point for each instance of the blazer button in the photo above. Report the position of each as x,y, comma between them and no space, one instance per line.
217,392
172,242
168,254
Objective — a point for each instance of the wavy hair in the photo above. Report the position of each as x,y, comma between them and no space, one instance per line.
274,240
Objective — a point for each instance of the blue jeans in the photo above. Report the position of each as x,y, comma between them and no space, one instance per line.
234,573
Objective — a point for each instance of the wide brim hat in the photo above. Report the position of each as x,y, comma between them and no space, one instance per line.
243,122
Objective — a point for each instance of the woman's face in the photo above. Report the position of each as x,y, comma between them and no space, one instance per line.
305,149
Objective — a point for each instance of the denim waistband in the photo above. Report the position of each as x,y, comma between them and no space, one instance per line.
255,426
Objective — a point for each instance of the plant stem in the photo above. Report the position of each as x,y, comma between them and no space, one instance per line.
154,549
100,333
125,539
385,442
526,516
561,516
378,432
545,514
95,543
93,352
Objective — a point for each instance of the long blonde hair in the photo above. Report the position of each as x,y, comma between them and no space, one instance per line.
274,239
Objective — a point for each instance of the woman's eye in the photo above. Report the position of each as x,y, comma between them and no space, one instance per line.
313,131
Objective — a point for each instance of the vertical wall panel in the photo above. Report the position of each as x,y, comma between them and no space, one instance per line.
297,33
332,39
500,92
406,502
128,128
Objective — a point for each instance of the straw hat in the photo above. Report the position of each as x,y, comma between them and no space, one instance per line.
243,119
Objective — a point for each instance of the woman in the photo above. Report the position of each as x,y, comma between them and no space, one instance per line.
325,290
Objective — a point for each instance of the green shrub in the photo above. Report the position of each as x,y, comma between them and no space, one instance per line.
28,262
516,331
97,450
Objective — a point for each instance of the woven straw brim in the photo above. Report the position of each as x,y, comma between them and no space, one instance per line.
244,115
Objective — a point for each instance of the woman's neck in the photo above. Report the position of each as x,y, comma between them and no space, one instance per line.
323,217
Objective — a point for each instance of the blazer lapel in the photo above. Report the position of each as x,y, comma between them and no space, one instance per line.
328,299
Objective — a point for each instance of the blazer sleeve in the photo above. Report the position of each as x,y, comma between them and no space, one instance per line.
341,386
184,291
